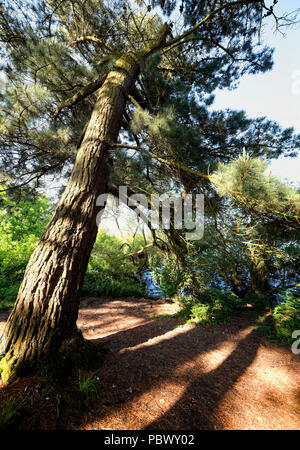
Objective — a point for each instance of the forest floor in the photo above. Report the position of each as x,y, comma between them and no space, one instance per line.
161,374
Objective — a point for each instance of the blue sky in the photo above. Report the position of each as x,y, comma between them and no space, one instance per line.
275,94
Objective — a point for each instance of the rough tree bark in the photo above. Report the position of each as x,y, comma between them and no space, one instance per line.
43,320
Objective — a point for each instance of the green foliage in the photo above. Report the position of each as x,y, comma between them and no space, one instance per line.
101,284
111,271
167,275
286,318
50,61
23,218
213,306
245,180
266,327
283,321
89,387
10,410
188,305
21,225
260,302
251,239
85,390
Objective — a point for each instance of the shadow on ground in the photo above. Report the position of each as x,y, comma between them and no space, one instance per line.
158,375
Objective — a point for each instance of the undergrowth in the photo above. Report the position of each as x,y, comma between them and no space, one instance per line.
11,410
212,306
285,319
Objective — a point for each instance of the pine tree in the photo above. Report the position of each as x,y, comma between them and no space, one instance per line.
66,61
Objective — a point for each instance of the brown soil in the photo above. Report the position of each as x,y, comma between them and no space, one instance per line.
160,375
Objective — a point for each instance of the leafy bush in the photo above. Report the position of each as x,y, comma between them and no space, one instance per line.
286,318
111,270
21,225
101,284
213,306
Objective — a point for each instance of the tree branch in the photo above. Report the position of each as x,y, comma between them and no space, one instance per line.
94,40
181,39
76,98
175,164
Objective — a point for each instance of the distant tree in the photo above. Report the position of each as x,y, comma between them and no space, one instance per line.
251,242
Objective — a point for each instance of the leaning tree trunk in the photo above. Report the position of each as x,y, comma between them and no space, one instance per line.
44,316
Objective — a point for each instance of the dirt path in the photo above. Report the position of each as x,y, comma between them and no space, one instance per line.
158,375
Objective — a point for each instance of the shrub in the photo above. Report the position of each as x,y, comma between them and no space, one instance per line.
21,225
212,306
101,284
286,318
111,271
